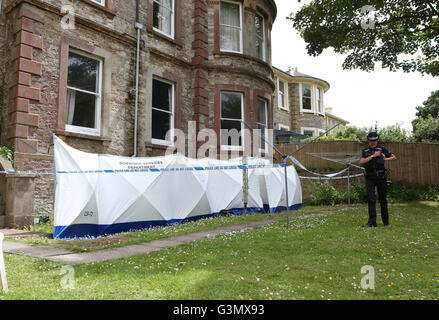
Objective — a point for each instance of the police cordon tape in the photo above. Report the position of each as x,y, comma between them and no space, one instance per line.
333,178
209,168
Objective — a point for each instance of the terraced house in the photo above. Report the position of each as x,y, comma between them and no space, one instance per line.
113,76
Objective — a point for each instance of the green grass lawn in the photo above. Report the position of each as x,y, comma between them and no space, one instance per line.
130,238
320,257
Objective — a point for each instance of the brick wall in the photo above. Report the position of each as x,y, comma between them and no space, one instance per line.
37,66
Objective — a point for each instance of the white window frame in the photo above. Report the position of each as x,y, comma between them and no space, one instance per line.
301,99
263,37
172,35
98,110
266,124
240,27
172,113
228,147
100,2
319,108
285,95
283,126
314,130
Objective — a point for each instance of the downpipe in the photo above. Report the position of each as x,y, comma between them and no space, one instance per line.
139,28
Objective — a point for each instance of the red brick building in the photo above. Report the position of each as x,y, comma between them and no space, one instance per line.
69,68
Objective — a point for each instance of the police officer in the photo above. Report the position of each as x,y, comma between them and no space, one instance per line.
373,159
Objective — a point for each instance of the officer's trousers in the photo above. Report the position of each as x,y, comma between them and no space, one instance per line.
381,186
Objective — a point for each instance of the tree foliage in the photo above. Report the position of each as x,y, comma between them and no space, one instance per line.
401,34
426,124
393,133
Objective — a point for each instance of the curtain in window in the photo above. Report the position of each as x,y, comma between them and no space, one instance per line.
162,12
230,22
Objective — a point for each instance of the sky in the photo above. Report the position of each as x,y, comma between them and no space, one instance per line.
360,97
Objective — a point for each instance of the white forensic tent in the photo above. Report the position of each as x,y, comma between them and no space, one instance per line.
101,194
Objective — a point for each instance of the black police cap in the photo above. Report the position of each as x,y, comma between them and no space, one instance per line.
373,136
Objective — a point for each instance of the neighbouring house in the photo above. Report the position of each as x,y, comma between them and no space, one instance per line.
332,120
299,103
69,68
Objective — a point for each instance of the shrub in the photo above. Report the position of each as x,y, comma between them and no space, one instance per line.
7,153
326,194
323,193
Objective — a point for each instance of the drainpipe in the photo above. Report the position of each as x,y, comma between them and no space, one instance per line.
139,28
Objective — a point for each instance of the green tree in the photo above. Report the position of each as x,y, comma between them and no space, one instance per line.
392,133
426,124
401,34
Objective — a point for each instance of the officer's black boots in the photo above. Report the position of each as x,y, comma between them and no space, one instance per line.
369,225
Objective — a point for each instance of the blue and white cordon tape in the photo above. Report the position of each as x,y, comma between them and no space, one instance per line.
209,168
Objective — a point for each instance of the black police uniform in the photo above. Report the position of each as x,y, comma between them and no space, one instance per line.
376,176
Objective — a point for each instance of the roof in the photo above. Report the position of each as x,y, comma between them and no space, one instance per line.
330,115
300,75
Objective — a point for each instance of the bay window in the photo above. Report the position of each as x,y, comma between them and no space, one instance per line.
231,26
84,90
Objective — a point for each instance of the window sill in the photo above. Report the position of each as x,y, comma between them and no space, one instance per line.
159,146
242,55
160,35
82,136
229,148
284,109
110,13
